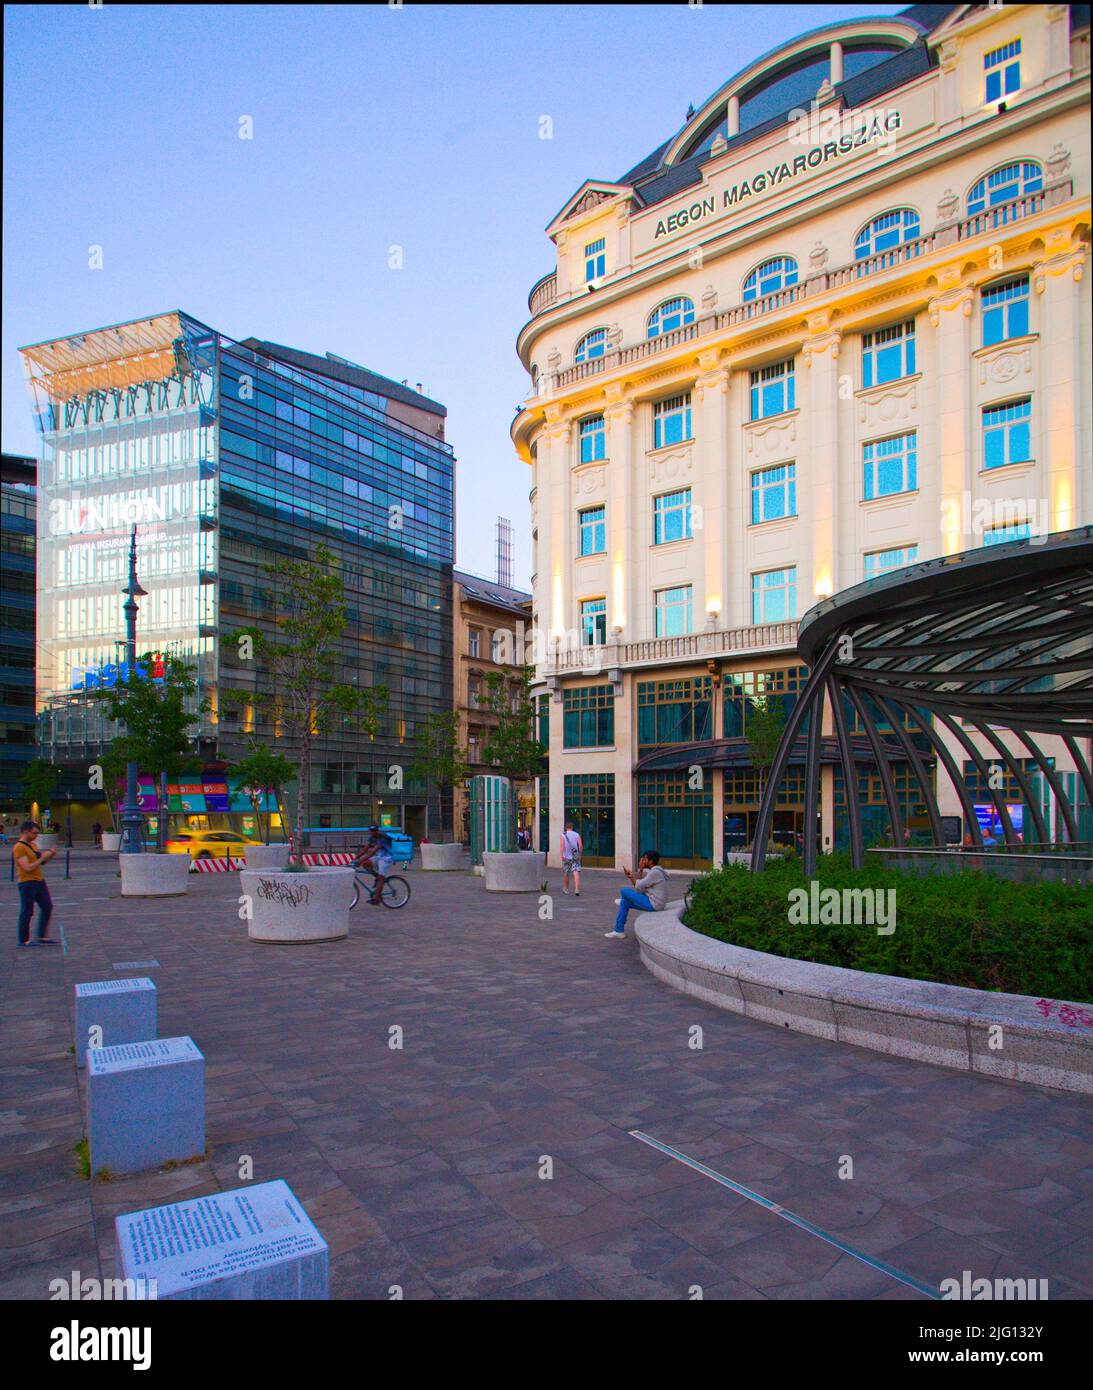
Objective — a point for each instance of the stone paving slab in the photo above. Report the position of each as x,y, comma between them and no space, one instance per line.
524,1043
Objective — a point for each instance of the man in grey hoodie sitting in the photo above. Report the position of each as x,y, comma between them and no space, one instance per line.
649,892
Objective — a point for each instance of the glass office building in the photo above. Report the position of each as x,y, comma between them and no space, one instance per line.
227,455
17,724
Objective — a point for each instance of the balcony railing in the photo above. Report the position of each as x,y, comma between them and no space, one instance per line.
664,651
544,294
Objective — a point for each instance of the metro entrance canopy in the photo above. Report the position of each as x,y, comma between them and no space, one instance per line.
996,641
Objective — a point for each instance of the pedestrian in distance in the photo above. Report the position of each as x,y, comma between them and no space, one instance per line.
572,849
33,890
647,893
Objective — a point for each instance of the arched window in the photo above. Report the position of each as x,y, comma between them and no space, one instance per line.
1004,184
889,229
672,314
593,344
770,276
534,379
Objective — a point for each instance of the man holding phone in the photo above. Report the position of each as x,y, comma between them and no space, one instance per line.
32,885
648,893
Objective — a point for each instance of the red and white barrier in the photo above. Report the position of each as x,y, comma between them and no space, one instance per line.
224,866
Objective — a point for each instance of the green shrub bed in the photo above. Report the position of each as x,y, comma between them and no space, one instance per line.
959,929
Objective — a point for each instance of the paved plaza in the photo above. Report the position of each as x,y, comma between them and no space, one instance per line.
526,1044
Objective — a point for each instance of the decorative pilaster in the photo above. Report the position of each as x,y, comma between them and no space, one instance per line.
950,314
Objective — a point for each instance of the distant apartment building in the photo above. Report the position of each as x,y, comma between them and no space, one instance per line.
491,621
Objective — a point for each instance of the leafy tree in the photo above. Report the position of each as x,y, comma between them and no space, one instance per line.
158,717
511,746
766,720
440,758
39,783
297,665
263,771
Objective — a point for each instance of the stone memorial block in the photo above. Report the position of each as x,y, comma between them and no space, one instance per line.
125,1010
145,1104
253,1243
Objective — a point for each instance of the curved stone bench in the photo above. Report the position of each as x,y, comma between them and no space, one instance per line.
1001,1035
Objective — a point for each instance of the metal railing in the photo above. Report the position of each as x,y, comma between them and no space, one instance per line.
1038,863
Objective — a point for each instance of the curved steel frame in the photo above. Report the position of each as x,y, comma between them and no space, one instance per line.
998,641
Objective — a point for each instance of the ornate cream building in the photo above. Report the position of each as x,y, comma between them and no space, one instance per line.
836,324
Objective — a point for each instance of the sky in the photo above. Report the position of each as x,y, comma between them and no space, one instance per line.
373,127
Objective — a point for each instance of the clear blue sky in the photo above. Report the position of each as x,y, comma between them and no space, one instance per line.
373,127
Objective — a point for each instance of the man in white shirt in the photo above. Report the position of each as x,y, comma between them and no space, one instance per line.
572,849
649,893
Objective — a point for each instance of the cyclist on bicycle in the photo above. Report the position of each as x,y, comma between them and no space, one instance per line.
375,855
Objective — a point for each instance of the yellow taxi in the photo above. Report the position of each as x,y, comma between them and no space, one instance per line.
210,844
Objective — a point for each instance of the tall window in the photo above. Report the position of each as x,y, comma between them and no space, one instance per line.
595,260
473,641
1002,67
888,354
593,622
497,648
775,274
886,231
593,344
474,691
588,716
773,390
1007,434
879,561
672,516
593,531
1005,310
774,595
672,314
999,535
678,711
774,492
1005,183
590,805
672,421
593,439
673,611
890,465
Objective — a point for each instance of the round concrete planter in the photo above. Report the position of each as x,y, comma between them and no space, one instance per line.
441,857
151,875
111,841
266,856
47,841
294,909
520,872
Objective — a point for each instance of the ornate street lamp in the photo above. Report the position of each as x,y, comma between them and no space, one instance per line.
132,818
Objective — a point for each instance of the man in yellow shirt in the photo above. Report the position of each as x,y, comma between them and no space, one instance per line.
32,885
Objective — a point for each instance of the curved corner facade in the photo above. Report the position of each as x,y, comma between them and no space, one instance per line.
837,324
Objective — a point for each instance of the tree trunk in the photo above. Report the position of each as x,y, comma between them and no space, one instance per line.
303,773
161,819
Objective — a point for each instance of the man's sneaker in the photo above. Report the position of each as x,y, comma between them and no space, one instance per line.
615,935
565,890
47,941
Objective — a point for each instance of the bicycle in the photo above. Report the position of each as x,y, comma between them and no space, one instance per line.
396,891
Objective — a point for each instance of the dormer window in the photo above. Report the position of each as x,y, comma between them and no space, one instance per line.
595,260
1002,67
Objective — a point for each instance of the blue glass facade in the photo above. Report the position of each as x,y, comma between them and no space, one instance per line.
229,455
17,543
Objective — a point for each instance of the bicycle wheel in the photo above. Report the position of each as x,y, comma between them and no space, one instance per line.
356,892
396,892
